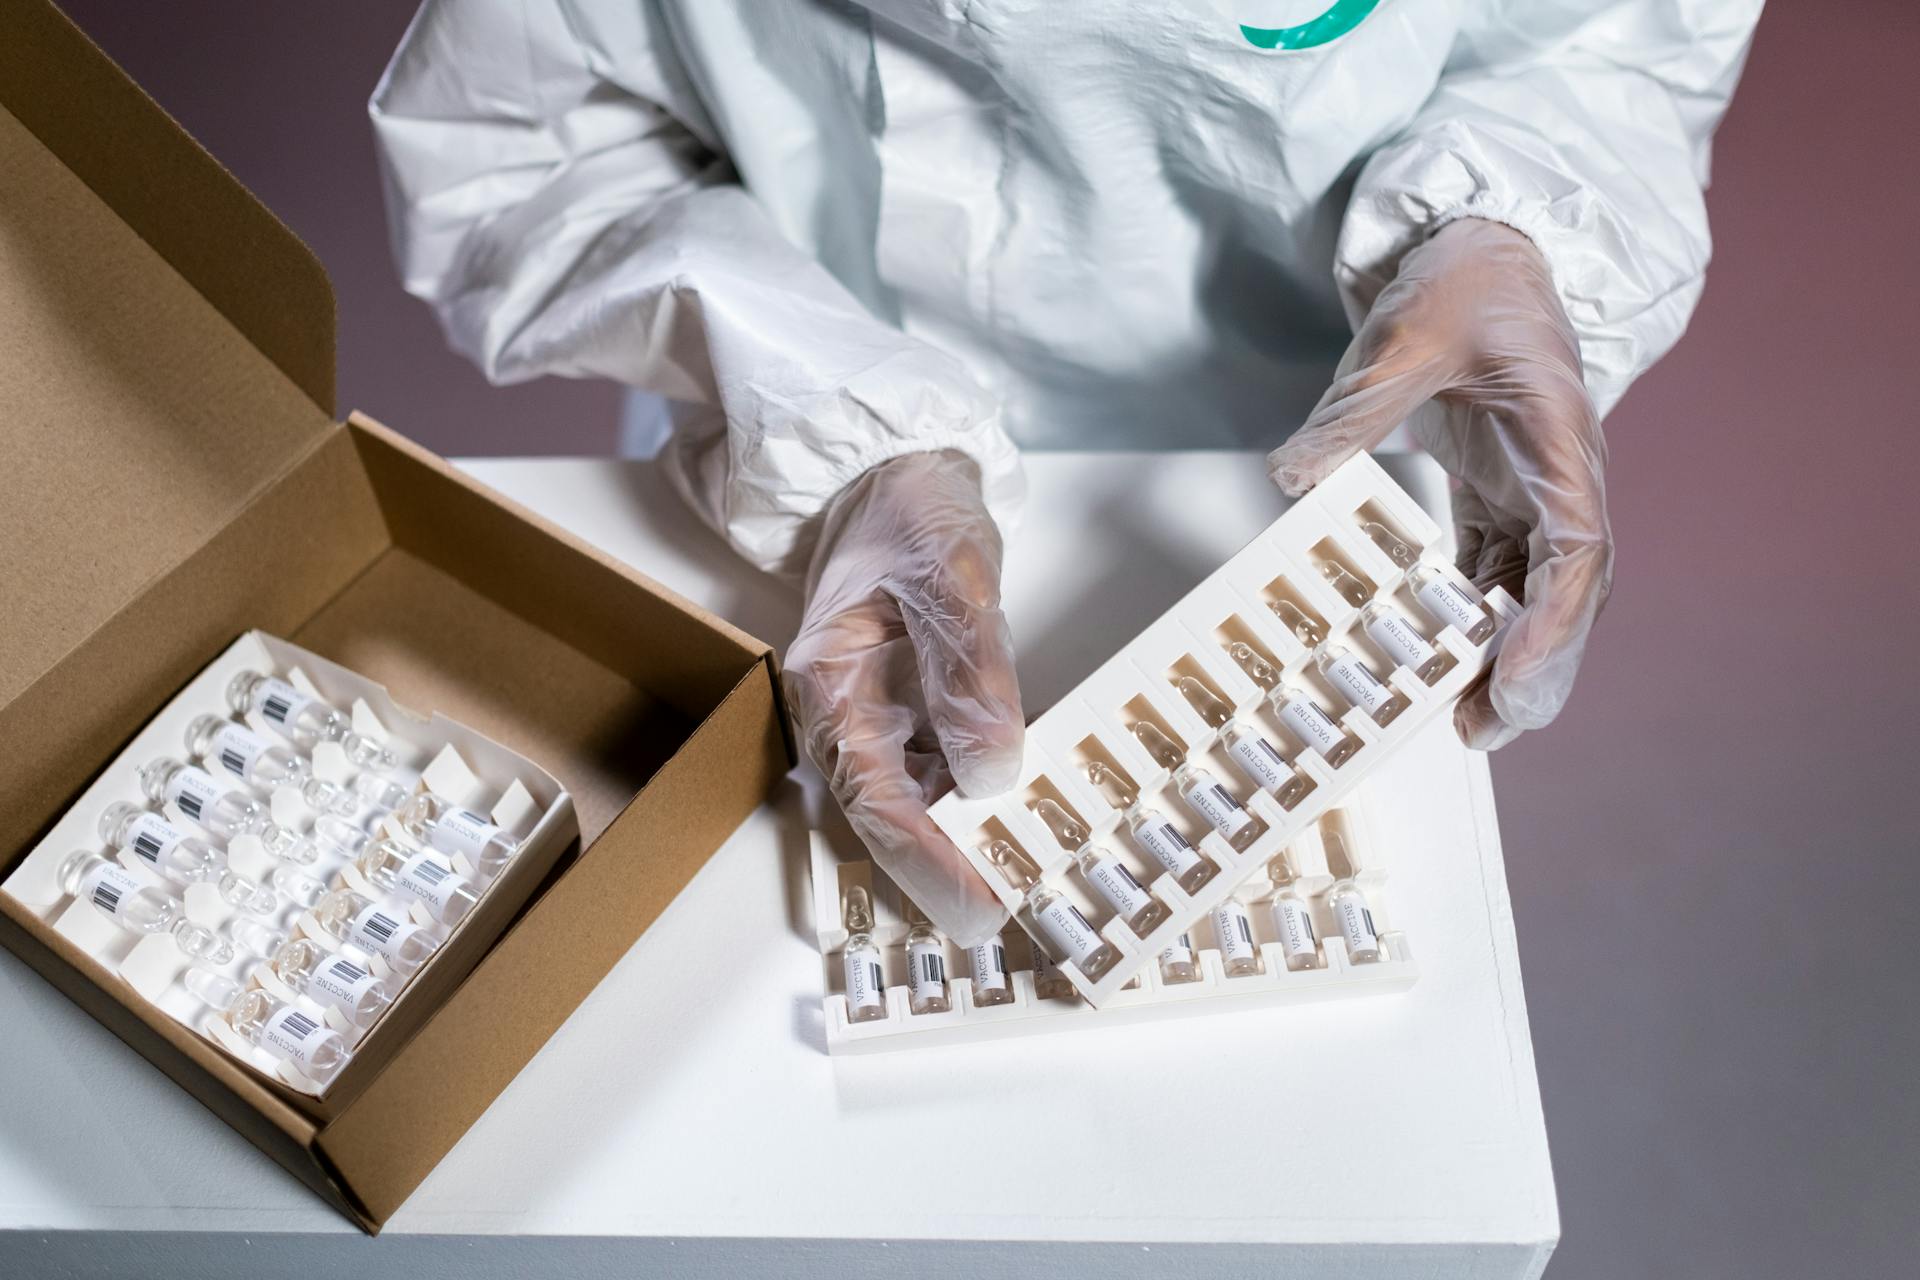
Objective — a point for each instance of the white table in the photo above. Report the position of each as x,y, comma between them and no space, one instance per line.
686,1118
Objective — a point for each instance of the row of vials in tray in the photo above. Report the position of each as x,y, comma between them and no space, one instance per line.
1290,905
230,767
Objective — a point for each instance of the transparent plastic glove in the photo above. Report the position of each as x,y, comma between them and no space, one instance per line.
902,675
1471,322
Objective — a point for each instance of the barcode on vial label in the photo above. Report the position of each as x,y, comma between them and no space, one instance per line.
999,958
1120,868
1271,753
379,927
1240,927
189,804
431,872
876,982
147,845
276,708
107,897
1371,931
933,968
1174,838
233,762
298,1025
346,971
1226,800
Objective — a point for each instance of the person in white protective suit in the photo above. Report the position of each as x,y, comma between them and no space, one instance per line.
864,248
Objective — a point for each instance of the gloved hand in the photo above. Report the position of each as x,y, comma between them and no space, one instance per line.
1472,322
902,675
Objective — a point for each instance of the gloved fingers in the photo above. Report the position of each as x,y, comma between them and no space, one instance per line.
967,676
1387,373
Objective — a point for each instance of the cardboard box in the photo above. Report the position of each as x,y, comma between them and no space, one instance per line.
176,478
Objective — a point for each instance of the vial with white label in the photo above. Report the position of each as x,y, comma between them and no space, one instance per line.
1263,765
1160,840
866,982
1348,673
1452,605
1310,725
1345,900
118,894
360,995
1115,884
1049,983
1401,641
377,928
302,720
1344,584
926,965
988,965
1233,934
1210,708
245,755
1390,542
1178,964
418,875
1113,785
440,824
224,808
1306,628
285,1031
1219,806
1057,919
1292,917
175,855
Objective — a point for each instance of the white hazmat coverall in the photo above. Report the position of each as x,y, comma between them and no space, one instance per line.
835,234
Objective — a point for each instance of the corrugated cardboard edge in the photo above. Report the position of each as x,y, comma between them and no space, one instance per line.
170,191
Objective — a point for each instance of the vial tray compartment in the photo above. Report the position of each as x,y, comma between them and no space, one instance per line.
1231,605
1153,998
456,763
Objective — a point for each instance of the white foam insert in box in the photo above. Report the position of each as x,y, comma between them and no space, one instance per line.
434,753
1192,638
1336,975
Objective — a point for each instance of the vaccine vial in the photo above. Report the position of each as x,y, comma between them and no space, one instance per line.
224,808
304,721
118,894
1390,542
988,965
1400,640
1206,797
1067,829
1048,982
1162,841
1057,919
1452,605
244,754
254,937
1344,584
285,1031
451,829
1164,751
1112,785
418,875
1263,765
1348,673
1345,899
1210,708
866,981
1258,669
313,971
377,791
1307,629
1178,963
376,929
1233,931
1130,901
1311,726
184,859
926,966
1292,918
297,886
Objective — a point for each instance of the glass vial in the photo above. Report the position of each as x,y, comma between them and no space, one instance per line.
418,875
865,980
1311,726
1162,841
1401,641
926,965
117,894
1210,708
245,755
1306,628
1113,786
1292,918
1164,751
1345,899
1057,919
313,971
1206,797
1130,901
1178,964
256,938
1233,932
306,722
1452,605
1263,765
988,965
375,928
1048,982
289,1034
1390,542
1344,584
182,858
220,807
1356,682
441,825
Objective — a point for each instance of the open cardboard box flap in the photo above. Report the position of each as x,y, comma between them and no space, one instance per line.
176,478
